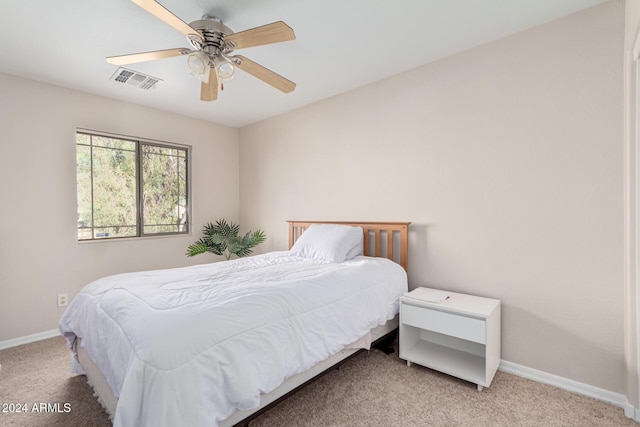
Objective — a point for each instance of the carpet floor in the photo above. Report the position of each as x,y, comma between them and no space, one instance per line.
372,389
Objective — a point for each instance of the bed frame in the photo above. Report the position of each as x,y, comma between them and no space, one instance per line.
388,239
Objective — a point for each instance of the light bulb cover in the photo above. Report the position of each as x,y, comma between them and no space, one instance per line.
199,64
224,67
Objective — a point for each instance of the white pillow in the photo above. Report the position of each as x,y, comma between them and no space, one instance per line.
329,242
357,250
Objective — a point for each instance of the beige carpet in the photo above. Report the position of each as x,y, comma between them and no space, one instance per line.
370,390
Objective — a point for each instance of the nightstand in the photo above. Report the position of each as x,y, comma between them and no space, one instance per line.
459,336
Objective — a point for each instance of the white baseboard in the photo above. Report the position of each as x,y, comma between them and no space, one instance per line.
616,399
29,339
632,412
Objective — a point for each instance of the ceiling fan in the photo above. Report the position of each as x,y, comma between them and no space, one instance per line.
212,45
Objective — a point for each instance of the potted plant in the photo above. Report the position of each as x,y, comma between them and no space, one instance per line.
222,238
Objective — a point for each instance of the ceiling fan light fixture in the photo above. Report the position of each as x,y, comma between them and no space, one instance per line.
224,67
199,65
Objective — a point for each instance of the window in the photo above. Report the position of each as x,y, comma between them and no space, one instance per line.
130,188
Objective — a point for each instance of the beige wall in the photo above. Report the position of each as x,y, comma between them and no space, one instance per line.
632,26
507,159
39,254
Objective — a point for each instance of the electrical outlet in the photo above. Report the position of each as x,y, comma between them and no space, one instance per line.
63,300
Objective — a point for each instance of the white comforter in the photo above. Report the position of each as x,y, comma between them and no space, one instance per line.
190,346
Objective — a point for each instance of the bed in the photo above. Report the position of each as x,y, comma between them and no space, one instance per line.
214,344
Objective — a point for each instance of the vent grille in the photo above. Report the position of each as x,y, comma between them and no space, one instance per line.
134,78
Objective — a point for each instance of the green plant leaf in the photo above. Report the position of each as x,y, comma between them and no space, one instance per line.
197,248
222,238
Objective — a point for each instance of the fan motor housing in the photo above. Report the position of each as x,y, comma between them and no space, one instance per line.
213,31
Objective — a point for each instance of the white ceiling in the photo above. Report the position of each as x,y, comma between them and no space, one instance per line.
340,45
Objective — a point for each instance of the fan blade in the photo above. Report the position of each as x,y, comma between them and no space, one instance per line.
209,91
163,14
147,56
264,74
275,32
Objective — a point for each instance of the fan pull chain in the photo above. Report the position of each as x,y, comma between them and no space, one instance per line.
221,85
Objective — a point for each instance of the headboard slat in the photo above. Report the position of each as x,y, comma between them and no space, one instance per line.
296,228
366,243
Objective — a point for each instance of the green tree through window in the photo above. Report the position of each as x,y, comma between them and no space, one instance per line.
129,188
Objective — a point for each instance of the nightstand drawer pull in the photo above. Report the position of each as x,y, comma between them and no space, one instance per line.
454,325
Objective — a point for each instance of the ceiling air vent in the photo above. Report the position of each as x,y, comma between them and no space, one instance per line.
134,78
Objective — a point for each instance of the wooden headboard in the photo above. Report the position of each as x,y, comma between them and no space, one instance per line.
394,245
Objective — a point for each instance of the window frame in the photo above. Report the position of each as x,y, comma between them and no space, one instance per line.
139,142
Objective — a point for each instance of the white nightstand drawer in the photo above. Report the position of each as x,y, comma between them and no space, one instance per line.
454,325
